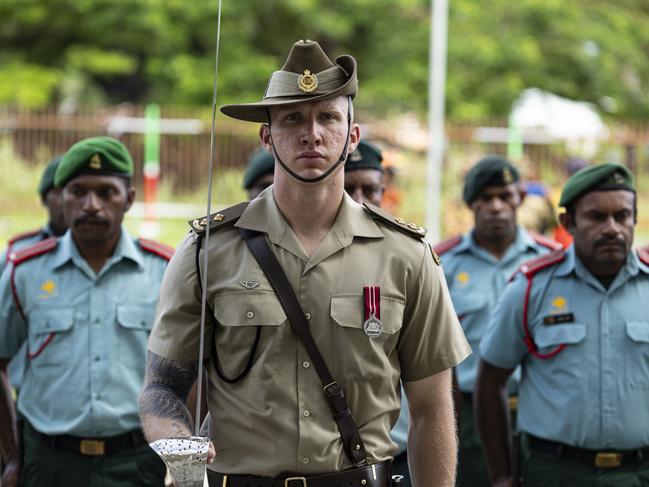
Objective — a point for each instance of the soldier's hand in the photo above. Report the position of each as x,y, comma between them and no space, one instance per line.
11,474
506,482
211,453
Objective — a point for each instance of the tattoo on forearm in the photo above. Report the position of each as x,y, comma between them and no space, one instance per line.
166,386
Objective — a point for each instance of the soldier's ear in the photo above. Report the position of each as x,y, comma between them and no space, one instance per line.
265,138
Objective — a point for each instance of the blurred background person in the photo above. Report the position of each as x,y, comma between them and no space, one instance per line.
364,174
259,173
477,266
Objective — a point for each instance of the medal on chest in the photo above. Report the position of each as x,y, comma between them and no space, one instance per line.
372,326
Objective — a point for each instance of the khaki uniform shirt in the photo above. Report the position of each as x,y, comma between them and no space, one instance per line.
276,419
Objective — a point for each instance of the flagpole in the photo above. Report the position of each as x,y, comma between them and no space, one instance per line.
436,111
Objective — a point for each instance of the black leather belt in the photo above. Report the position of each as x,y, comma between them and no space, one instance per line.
376,475
92,446
593,458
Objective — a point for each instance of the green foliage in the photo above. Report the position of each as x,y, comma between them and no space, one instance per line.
163,50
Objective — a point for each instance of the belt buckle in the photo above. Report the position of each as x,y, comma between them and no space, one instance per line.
287,480
608,460
93,448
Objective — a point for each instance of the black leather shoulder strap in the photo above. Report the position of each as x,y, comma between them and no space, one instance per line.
333,392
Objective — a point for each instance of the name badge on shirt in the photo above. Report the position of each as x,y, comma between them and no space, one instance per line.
373,327
558,319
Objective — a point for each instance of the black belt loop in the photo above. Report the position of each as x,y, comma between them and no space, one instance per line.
333,392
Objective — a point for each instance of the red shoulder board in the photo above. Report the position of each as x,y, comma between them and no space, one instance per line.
546,242
447,245
643,255
161,250
23,236
533,266
31,251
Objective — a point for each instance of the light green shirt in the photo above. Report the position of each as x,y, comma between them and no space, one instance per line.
86,334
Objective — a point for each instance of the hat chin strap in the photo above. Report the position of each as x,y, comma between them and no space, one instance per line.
341,159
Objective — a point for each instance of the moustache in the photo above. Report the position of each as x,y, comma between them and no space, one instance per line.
609,241
83,220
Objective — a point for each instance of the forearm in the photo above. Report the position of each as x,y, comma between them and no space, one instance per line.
432,449
8,427
492,422
162,402
432,440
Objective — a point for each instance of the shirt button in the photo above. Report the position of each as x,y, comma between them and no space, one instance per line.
306,413
307,316
250,315
306,364
97,358
96,320
305,460
96,395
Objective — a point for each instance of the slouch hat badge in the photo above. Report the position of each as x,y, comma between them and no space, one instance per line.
307,82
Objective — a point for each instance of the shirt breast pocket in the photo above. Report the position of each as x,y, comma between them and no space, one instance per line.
355,354
135,322
468,306
565,369
637,355
239,314
49,342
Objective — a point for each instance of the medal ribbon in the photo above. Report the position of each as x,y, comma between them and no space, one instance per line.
372,297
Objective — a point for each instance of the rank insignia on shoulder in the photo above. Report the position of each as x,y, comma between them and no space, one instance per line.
558,319
217,220
411,229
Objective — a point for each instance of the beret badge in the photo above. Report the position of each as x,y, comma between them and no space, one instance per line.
508,177
95,162
307,82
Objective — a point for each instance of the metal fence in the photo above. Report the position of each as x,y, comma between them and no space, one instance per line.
184,149
184,153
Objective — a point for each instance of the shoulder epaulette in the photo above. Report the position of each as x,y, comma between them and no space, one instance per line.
546,242
219,219
643,255
23,236
157,248
533,266
443,247
31,251
403,226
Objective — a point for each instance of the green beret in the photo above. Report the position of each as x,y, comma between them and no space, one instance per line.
491,170
366,156
600,177
47,179
260,164
101,156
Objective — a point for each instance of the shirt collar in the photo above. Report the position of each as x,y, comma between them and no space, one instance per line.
263,215
571,263
68,251
521,244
